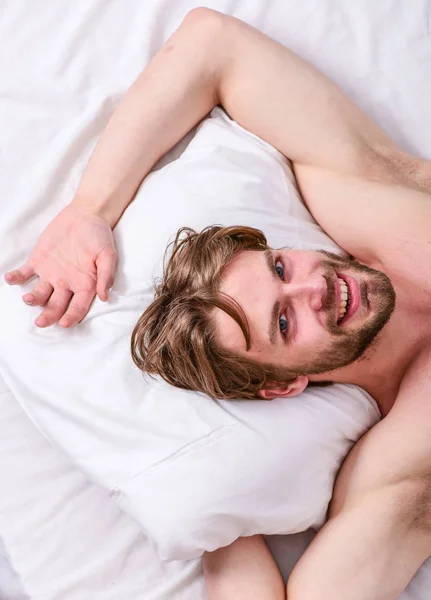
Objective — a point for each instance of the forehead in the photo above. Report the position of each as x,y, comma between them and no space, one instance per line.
250,279
246,279
248,268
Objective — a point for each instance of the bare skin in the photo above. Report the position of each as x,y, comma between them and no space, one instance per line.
373,199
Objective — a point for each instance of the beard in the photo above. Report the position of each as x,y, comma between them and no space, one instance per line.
350,344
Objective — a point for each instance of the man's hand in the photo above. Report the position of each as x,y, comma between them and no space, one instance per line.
74,258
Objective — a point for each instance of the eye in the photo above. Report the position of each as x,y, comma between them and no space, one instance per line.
283,324
279,267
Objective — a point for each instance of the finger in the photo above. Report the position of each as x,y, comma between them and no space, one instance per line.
39,295
54,308
20,276
105,264
77,310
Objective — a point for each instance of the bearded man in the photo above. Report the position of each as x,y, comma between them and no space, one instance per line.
235,318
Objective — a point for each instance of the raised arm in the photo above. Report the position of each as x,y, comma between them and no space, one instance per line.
378,534
368,194
212,59
75,256
368,551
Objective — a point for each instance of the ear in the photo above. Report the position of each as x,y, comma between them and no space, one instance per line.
285,390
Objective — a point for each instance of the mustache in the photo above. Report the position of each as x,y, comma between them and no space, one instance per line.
329,302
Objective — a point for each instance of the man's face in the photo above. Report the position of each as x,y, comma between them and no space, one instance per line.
295,303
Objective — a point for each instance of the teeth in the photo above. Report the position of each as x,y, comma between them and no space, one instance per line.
344,297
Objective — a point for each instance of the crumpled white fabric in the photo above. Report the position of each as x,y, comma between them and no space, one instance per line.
64,68
195,473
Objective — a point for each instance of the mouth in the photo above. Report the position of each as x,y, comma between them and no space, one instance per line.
347,298
343,299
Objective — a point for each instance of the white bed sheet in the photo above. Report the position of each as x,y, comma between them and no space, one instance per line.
63,538
65,66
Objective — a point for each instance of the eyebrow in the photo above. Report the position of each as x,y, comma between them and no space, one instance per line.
275,312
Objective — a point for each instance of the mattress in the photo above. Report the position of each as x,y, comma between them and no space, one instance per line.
64,68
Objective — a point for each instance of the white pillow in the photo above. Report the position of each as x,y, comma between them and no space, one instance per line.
195,473
64,536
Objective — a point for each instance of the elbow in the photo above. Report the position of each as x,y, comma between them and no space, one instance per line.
208,30
202,14
202,20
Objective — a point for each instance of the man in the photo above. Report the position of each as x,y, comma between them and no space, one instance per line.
371,197
223,323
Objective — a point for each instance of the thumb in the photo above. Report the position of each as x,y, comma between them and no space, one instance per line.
106,263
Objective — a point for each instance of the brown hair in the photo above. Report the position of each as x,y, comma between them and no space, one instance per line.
175,337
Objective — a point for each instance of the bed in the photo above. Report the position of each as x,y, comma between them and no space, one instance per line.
78,452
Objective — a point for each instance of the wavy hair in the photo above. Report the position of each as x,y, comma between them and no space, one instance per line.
175,337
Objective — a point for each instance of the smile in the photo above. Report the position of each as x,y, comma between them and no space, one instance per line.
344,299
348,298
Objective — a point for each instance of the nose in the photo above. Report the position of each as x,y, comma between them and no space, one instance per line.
311,291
